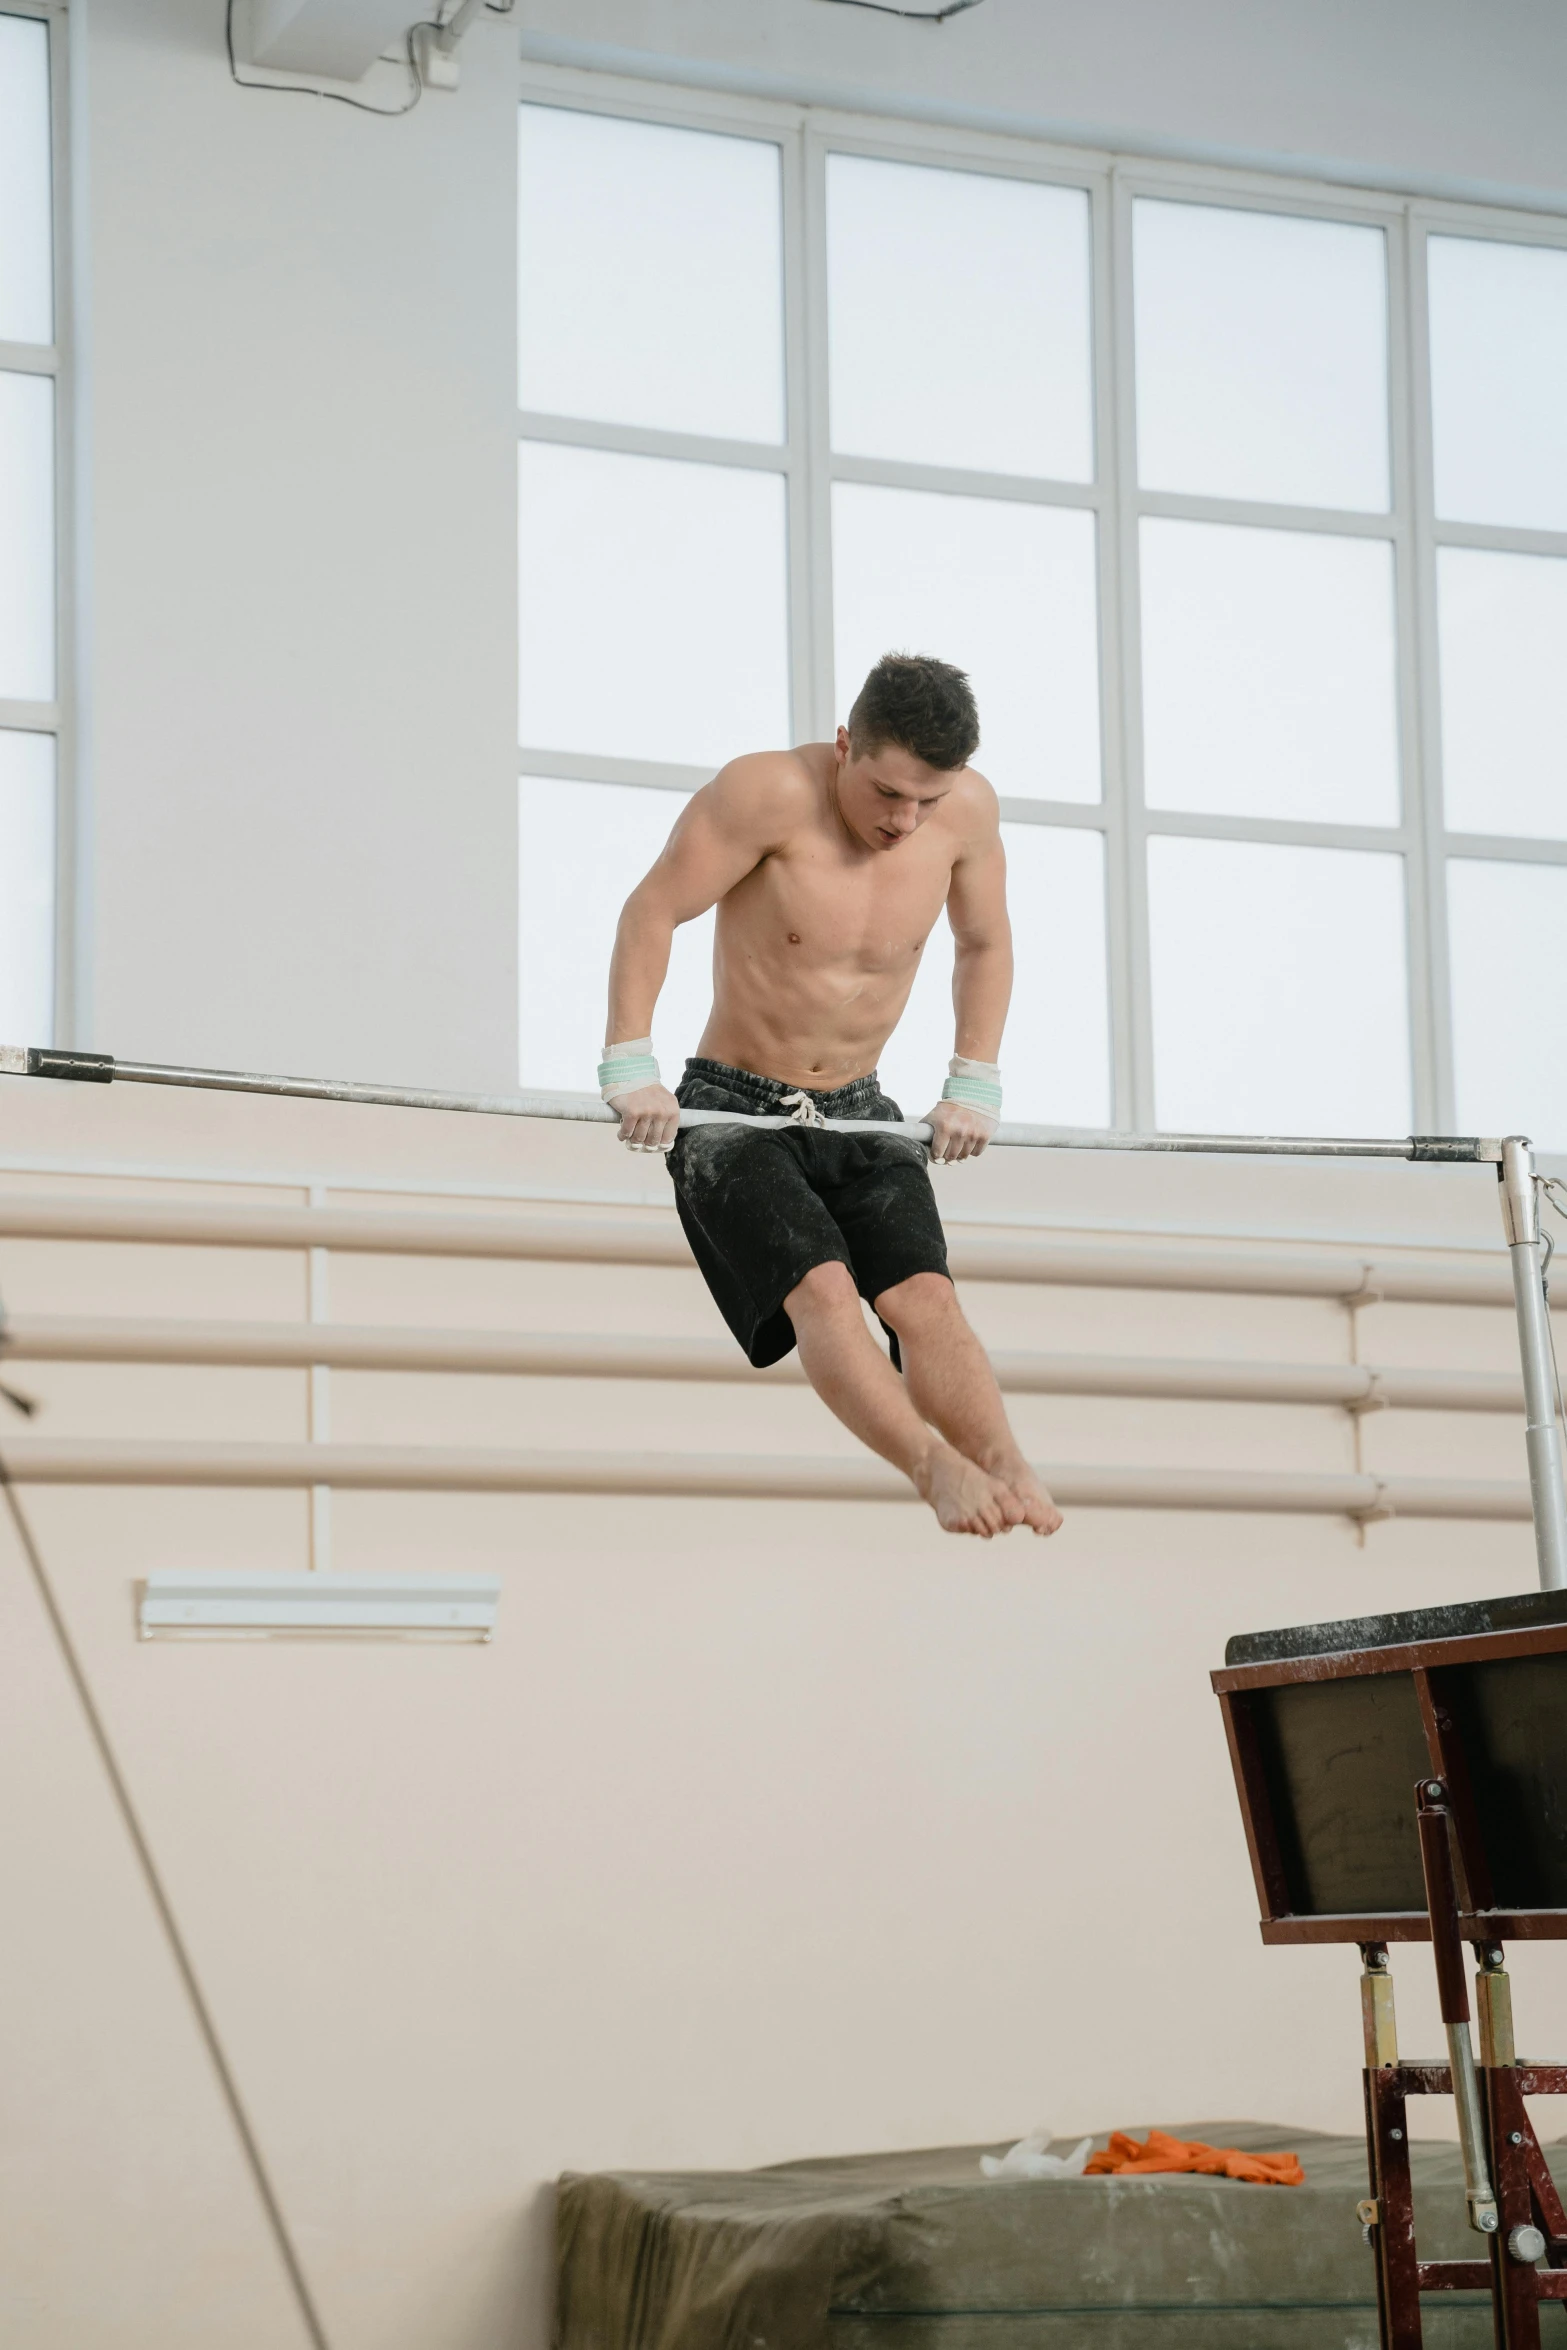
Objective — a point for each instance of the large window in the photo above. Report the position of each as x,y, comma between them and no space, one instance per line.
1245,507
30,695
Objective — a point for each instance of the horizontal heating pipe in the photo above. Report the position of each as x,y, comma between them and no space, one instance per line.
656,1239
392,1468
553,1355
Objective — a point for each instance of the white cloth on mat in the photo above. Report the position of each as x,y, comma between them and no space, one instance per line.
1029,2160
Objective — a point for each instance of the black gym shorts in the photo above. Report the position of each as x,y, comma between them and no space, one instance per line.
762,1205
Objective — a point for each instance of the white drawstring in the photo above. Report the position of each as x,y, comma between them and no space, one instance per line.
804,1111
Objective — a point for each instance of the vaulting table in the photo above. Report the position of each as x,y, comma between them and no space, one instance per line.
1403,1778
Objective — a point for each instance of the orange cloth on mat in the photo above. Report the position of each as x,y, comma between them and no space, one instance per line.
1129,2160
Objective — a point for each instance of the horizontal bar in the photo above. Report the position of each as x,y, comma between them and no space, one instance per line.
103,1068
391,1468
656,1239
46,1338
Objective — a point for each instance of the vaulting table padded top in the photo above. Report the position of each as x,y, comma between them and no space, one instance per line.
920,2252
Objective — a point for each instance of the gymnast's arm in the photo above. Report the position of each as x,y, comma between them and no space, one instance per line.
981,970
723,833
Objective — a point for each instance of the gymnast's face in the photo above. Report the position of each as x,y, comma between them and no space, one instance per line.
885,793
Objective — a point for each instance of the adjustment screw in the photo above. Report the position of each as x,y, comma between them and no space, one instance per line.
1515,2137
1433,1786
1395,2133
1526,2244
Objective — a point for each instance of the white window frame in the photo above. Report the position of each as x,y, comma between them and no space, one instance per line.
805,137
56,718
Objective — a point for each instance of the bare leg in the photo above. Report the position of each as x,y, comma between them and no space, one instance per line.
856,1382
952,1385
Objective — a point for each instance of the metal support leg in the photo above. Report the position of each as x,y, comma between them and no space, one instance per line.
1519,2243
1521,1216
1387,2214
1434,1820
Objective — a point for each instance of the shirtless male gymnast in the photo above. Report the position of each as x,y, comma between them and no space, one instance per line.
829,866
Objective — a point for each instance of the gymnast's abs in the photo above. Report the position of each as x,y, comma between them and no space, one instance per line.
829,866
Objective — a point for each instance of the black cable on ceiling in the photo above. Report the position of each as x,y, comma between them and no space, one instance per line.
914,15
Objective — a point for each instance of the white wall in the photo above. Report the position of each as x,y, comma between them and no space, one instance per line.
763,1830
300,558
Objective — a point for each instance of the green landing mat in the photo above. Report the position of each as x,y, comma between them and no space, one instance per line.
921,2252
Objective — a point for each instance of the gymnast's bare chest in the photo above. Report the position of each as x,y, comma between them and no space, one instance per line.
818,909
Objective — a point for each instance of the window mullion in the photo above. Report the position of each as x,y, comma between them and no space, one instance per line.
1131,998
1419,883
804,653
817,429
645,440
1431,1008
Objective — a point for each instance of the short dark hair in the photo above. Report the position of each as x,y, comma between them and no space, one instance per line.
921,704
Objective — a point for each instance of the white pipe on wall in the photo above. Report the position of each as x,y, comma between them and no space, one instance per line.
34,1460
559,1355
656,1239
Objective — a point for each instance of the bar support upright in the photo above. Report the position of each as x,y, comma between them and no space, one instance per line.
1521,1217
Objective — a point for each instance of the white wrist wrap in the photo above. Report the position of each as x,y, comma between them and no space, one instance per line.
977,1084
626,1066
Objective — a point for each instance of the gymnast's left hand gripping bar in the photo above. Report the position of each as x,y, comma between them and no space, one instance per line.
36,1060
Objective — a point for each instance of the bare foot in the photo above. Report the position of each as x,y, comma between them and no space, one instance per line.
1031,1499
965,1499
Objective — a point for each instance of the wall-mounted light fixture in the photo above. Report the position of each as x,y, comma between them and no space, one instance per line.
218,1606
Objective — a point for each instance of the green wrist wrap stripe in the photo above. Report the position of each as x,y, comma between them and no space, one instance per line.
976,1093
630,1069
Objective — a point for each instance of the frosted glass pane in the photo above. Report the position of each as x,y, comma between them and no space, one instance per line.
1499,382
1055,1056
583,849
960,329
1056,1052
1269,673
1261,356
27,538
1279,991
1506,924
654,618
26,291
651,275
1005,591
26,888
1504,691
